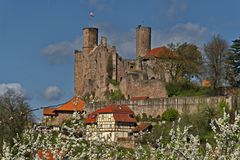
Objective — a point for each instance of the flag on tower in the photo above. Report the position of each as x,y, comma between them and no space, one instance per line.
91,14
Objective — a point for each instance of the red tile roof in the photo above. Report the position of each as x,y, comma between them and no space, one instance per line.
139,98
49,111
121,113
116,109
124,118
141,127
92,118
161,52
75,104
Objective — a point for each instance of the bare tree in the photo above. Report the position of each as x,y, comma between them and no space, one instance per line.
215,52
15,116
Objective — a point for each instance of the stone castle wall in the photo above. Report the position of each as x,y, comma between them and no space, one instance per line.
133,86
156,107
91,72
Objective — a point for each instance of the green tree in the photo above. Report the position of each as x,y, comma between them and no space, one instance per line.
170,115
215,52
187,62
233,64
191,60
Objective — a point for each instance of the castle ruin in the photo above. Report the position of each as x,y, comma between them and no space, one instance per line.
97,66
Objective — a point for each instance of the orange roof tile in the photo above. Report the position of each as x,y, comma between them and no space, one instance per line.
75,104
49,111
139,98
161,52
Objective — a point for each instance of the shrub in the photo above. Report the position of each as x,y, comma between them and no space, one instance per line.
138,117
186,88
144,117
116,95
170,115
223,105
114,82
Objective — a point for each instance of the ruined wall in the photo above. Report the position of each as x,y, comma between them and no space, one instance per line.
156,107
157,68
78,70
91,72
134,86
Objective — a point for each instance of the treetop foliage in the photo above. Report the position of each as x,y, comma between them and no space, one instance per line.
233,64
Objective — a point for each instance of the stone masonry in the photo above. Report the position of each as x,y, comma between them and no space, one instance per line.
99,64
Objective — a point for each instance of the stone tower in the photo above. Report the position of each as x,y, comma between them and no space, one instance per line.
90,39
143,40
143,43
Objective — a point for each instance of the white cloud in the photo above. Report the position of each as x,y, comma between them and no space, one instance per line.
180,33
16,88
60,52
177,7
52,93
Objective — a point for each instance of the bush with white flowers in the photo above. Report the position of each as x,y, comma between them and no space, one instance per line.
182,145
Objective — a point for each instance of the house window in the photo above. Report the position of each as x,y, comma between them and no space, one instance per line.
110,126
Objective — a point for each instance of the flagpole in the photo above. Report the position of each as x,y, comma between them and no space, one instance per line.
91,16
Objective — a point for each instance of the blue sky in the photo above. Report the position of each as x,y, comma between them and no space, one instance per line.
37,38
